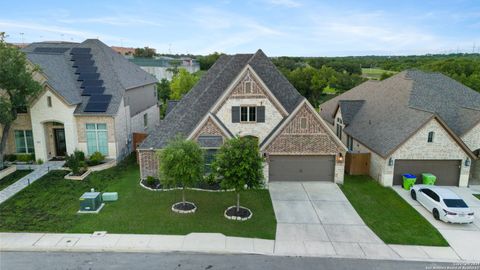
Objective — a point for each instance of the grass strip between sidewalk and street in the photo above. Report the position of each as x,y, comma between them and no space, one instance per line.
388,214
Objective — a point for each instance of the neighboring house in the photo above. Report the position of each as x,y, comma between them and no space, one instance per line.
93,100
245,95
161,66
413,122
123,50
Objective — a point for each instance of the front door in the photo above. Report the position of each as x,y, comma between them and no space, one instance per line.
60,145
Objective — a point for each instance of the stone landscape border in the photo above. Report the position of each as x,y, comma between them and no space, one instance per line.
238,218
179,188
184,211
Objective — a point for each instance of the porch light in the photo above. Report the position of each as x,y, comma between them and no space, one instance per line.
390,162
467,162
340,157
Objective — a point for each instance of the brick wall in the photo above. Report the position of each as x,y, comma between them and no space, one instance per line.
209,128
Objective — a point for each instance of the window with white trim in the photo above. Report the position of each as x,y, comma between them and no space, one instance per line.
97,139
248,114
24,141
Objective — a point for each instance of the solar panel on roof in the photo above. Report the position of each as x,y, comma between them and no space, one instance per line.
100,98
88,76
91,83
88,63
81,56
96,107
93,90
90,69
80,50
50,50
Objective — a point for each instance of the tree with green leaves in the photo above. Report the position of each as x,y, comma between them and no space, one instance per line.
239,165
17,87
163,90
181,164
182,83
144,52
208,60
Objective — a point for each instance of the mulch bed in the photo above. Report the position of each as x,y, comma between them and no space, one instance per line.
241,213
184,206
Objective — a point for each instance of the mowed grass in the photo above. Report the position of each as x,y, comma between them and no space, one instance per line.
50,205
477,195
388,215
12,178
375,73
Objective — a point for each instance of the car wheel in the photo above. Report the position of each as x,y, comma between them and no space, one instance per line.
413,194
436,215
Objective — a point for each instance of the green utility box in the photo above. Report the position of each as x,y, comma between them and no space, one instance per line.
109,196
408,180
428,179
90,201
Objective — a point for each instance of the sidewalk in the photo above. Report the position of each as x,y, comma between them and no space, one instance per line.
38,172
207,243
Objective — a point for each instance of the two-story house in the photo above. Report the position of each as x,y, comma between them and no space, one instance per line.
93,99
414,122
245,95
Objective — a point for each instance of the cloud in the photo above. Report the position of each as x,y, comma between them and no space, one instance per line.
285,3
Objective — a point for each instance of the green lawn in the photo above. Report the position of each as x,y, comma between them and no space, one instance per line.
50,205
477,195
375,73
388,215
12,178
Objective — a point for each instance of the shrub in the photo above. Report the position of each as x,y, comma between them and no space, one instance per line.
39,161
150,181
79,155
10,158
73,164
96,158
25,157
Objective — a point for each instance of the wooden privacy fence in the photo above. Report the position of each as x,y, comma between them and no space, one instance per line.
357,163
137,140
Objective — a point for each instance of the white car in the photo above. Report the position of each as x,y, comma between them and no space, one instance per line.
444,204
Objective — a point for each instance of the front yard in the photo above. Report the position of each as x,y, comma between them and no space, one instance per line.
477,195
13,177
50,205
388,215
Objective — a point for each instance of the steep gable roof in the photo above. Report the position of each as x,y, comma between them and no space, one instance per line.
117,73
193,107
397,107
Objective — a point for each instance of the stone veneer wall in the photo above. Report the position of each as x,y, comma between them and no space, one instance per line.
314,139
148,162
22,122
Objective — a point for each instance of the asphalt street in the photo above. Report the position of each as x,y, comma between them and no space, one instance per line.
104,260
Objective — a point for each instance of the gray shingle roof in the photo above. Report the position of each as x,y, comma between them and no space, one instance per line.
196,104
397,107
117,73
349,109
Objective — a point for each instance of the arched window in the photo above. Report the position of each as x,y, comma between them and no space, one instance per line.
431,134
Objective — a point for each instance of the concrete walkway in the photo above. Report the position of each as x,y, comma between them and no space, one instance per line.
316,219
463,238
37,173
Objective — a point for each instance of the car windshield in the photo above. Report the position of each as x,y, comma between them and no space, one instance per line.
456,203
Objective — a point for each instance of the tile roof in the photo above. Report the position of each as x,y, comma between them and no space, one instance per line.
197,102
397,107
117,73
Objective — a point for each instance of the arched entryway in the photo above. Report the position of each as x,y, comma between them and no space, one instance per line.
55,139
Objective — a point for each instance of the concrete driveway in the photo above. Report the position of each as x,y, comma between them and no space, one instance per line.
463,238
315,218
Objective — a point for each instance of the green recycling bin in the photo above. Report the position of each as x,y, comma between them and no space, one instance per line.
428,179
408,180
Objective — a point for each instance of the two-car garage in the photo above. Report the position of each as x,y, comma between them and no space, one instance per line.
446,171
301,168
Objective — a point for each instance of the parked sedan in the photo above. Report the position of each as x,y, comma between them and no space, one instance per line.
443,203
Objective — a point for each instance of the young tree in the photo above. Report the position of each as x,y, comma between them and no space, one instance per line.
239,164
17,88
163,89
181,164
182,83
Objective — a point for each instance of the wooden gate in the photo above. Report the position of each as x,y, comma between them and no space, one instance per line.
357,163
137,140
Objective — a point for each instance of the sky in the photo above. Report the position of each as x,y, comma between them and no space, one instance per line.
278,27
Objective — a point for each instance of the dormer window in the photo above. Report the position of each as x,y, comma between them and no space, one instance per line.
431,134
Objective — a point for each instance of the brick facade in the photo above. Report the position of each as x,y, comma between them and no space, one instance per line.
148,161
312,138
209,128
